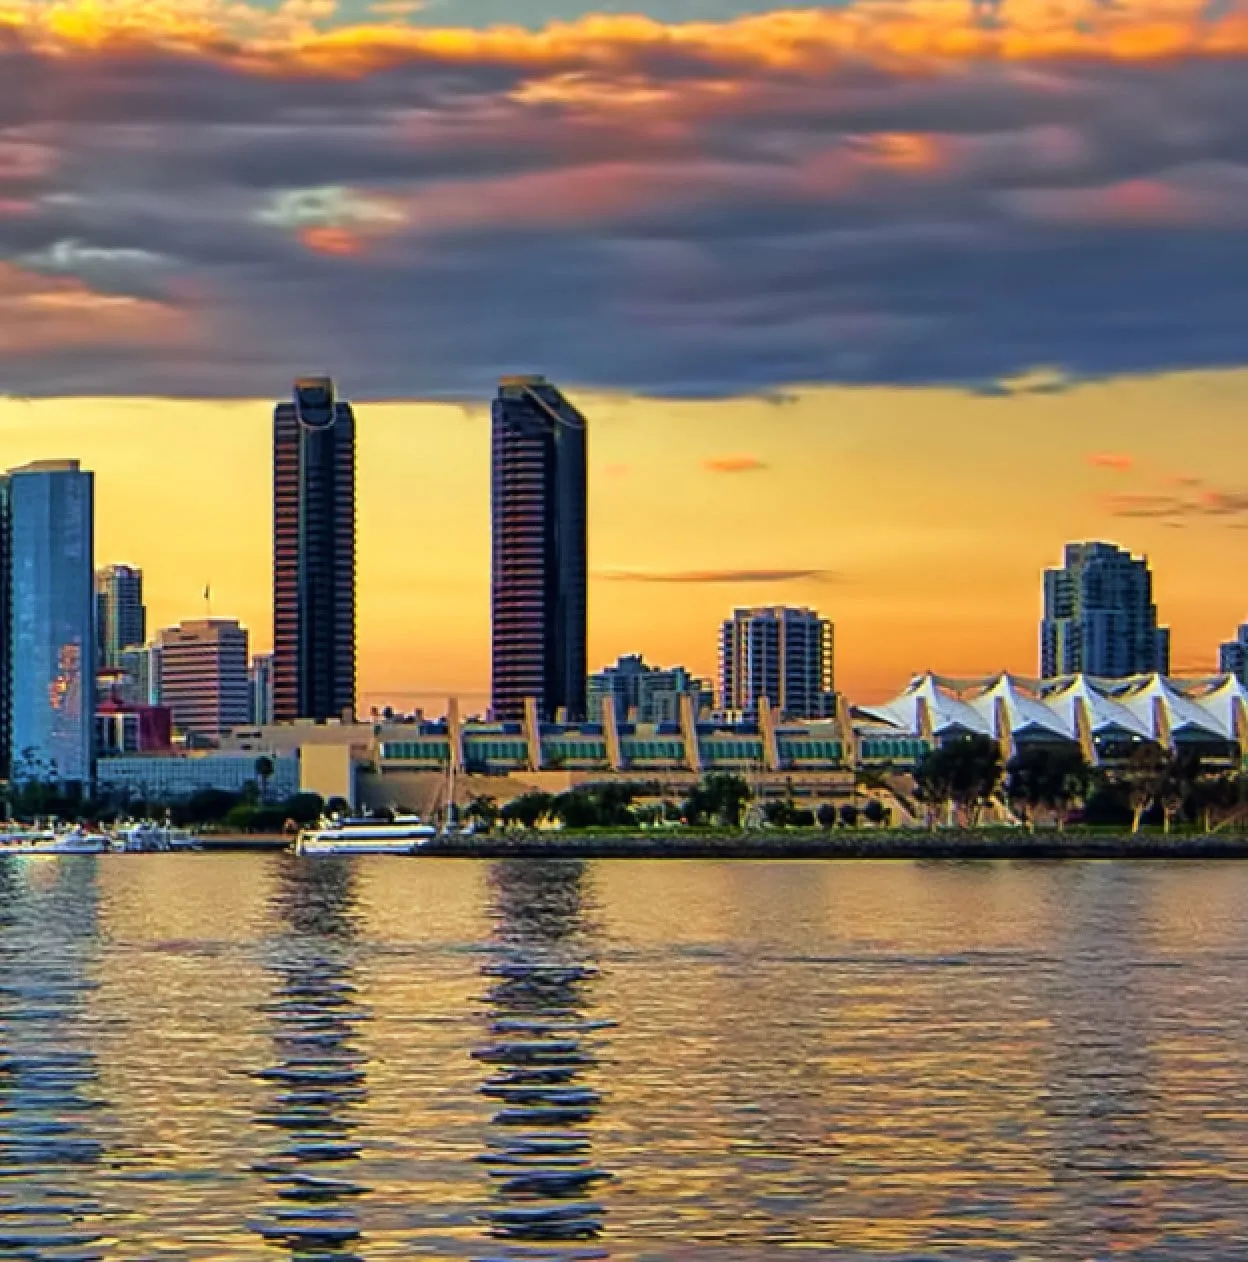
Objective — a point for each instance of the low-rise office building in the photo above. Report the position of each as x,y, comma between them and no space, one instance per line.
175,777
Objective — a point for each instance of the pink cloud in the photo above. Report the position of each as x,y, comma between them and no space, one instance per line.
1118,461
742,463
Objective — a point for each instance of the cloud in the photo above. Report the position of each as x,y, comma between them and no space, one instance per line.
885,191
1117,461
719,576
1208,504
733,464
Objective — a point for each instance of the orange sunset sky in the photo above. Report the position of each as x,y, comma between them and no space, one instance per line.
870,306
918,519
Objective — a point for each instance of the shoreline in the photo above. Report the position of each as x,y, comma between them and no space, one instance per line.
910,845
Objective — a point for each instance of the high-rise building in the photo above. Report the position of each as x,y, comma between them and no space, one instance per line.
1233,655
203,676
313,554
781,654
538,501
260,689
1099,616
644,693
140,668
49,540
120,618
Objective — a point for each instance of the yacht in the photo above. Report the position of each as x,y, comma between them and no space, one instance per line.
404,834
75,840
147,836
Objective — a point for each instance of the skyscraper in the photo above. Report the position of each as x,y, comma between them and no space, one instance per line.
120,618
1233,655
780,653
538,501
313,554
260,689
49,538
650,694
203,676
1099,616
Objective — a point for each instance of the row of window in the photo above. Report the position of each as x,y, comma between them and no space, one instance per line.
516,752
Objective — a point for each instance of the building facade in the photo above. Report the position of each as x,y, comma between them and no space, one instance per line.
120,616
121,728
203,676
646,694
175,777
313,554
780,654
49,530
1233,655
260,689
540,561
140,671
1099,617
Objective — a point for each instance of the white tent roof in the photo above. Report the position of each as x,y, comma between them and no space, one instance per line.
1024,711
1141,697
947,713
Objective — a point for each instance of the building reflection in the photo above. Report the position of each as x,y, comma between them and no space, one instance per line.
317,1080
49,1084
541,1059
1105,1152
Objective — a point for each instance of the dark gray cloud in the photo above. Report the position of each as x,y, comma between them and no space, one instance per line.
424,226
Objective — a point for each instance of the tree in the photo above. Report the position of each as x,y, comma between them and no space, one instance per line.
965,771
849,815
1146,777
483,811
265,767
826,815
720,796
527,809
1048,777
338,806
304,808
1218,797
876,812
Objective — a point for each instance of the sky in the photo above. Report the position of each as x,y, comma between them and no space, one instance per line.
870,306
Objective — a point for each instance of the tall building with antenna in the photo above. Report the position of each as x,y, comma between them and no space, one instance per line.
539,552
313,554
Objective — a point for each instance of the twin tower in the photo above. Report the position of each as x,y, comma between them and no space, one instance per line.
539,554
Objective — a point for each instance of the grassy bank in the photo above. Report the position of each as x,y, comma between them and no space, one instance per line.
794,844
849,844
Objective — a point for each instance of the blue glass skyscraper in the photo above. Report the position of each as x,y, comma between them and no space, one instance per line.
1099,616
49,529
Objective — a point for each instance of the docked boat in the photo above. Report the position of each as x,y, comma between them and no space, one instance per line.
404,834
147,837
75,840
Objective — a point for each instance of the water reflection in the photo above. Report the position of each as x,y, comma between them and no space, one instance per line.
541,1055
48,1076
317,1077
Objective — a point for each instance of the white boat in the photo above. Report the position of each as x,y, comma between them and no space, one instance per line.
147,837
75,840
404,834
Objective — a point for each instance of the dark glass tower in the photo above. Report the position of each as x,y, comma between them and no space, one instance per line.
313,554
539,551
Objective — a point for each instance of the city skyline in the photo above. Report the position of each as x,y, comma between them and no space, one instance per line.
876,343
886,573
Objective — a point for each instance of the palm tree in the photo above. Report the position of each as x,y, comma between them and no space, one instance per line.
265,767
